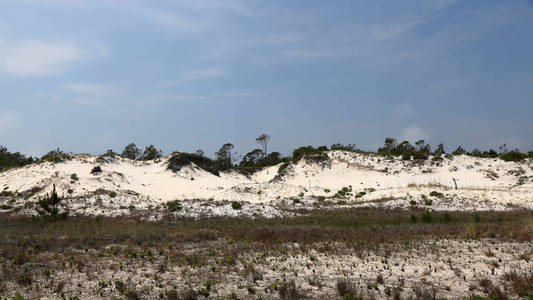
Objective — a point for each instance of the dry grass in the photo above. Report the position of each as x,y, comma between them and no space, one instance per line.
76,243
360,229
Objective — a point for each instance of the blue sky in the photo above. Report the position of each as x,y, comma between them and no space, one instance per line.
88,75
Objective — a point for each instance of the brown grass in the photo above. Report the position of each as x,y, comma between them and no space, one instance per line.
357,229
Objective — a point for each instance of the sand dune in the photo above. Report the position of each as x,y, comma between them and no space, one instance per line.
369,180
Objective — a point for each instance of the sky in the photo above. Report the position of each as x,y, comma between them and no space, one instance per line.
92,75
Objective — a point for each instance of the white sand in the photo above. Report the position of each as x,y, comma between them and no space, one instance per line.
482,183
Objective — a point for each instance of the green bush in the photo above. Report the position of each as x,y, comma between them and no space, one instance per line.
131,152
413,219
106,157
513,156
300,152
49,207
12,160
178,160
5,207
96,170
151,153
436,194
174,206
56,156
459,151
236,205
426,217
112,194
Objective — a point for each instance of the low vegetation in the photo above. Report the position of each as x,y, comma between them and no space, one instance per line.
78,242
225,157
178,160
10,160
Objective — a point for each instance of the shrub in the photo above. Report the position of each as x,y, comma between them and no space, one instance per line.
413,219
426,217
420,156
288,291
300,152
131,152
406,156
513,156
459,151
521,283
106,157
178,160
283,167
346,289
319,158
6,194
74,177
56,156
174,205
48,207
151,153
12,160
428,202
5,207
112,194
436,194
257,159
96,170
236,205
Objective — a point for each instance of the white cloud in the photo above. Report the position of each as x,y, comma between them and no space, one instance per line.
203,74
414,133
34,57
7,120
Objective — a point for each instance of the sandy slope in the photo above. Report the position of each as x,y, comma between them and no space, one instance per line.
482,183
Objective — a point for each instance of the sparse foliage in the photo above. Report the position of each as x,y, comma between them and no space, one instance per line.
49,206
263,140
131,152
12,160
151,152
225,156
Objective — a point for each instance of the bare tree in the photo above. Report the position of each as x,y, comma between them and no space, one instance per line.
263,141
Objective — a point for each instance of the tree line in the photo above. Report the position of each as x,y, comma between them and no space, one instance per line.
226,158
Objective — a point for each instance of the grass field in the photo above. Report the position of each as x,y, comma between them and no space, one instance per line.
55,258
